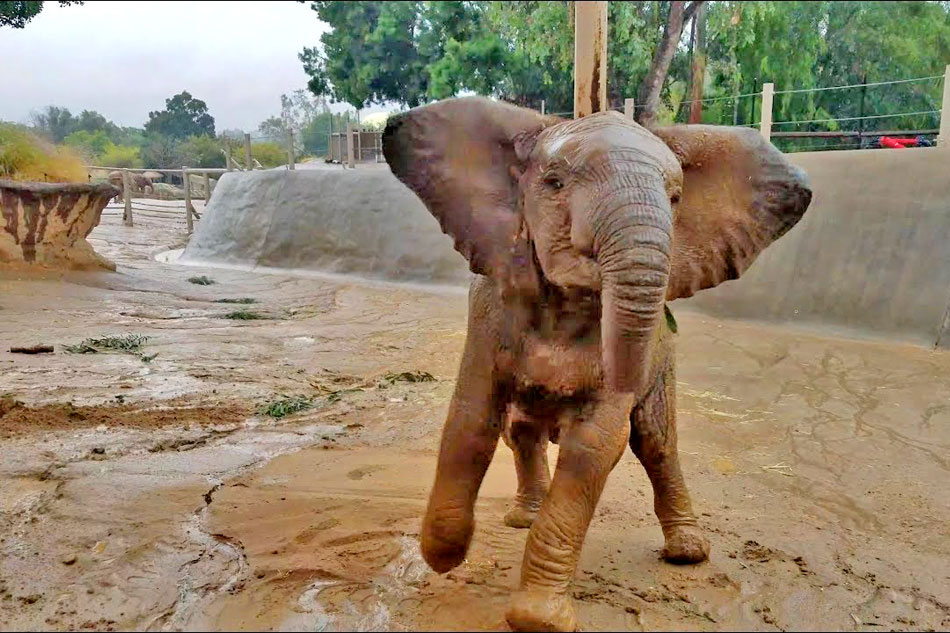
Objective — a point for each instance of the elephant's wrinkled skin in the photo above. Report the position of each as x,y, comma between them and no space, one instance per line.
580,231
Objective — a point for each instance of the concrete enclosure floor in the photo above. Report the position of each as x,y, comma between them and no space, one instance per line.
155,496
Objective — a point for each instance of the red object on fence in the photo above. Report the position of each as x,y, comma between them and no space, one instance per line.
898,143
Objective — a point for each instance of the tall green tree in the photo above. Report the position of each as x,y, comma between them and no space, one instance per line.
183,116
16,14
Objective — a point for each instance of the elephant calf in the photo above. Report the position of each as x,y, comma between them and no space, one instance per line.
579,232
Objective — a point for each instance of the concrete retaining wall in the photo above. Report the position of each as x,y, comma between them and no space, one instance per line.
871,254
362,222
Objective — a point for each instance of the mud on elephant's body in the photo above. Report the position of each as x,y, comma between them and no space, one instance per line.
580,232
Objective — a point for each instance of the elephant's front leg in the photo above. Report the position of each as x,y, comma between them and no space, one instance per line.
653,440
589,449
468,443
528,440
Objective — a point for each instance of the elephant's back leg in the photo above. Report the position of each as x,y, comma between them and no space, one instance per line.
653,441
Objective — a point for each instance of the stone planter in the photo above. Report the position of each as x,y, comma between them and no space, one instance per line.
46,224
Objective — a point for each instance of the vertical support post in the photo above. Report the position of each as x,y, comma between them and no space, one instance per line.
379,150
350,158
542,107
765,127
186,185
290,149
330,139
628,108
127,197
359,139
247,153
207,188
590,57
944,139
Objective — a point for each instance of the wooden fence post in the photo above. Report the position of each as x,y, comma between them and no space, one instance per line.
590,57
768,91
628,108
207,188
350,158
127,197
290,149
943,140
186,184
247,153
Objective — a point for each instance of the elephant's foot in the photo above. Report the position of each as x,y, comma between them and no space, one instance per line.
541,611
685,544
520,517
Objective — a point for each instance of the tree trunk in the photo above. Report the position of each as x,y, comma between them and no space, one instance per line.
698,66
649,93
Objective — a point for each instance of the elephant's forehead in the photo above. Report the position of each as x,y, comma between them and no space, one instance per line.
598,136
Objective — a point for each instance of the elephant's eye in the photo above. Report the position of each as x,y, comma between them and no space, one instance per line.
552,181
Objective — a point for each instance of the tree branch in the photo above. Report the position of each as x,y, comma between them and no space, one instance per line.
690,10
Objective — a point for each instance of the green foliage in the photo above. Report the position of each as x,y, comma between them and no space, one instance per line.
203,280
393,377
201,151
18,13
285,405
269,154
161,151
120,156
522,51
90,144
25,156
244,315
183,116
128,344
242,300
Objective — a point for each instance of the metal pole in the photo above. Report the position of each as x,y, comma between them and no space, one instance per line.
186,185
127,197
590,57
247,153
768,91
542,107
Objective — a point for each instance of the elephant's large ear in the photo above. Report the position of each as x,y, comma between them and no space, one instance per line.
457,156
739,195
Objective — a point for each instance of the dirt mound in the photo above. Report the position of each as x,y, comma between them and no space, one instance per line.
17,418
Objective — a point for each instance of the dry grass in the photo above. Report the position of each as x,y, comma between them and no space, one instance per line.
26,157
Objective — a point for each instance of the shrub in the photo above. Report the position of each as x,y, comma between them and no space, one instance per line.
121,156
26,157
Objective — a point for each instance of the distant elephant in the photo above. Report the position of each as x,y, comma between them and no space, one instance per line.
579,231
138,183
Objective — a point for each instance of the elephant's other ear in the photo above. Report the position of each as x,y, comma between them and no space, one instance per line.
739,195
457,155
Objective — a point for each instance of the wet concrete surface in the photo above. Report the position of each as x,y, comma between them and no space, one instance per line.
818,464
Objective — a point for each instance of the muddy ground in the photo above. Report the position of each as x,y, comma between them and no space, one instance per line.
155,496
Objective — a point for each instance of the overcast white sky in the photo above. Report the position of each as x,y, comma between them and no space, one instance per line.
125,58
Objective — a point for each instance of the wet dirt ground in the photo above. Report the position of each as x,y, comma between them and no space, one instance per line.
155,496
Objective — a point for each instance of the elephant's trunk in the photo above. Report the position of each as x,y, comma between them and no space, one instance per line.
632,227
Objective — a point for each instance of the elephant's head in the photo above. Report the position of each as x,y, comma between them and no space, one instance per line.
644,216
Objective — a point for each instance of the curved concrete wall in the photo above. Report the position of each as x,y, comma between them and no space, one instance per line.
872,252
362,222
